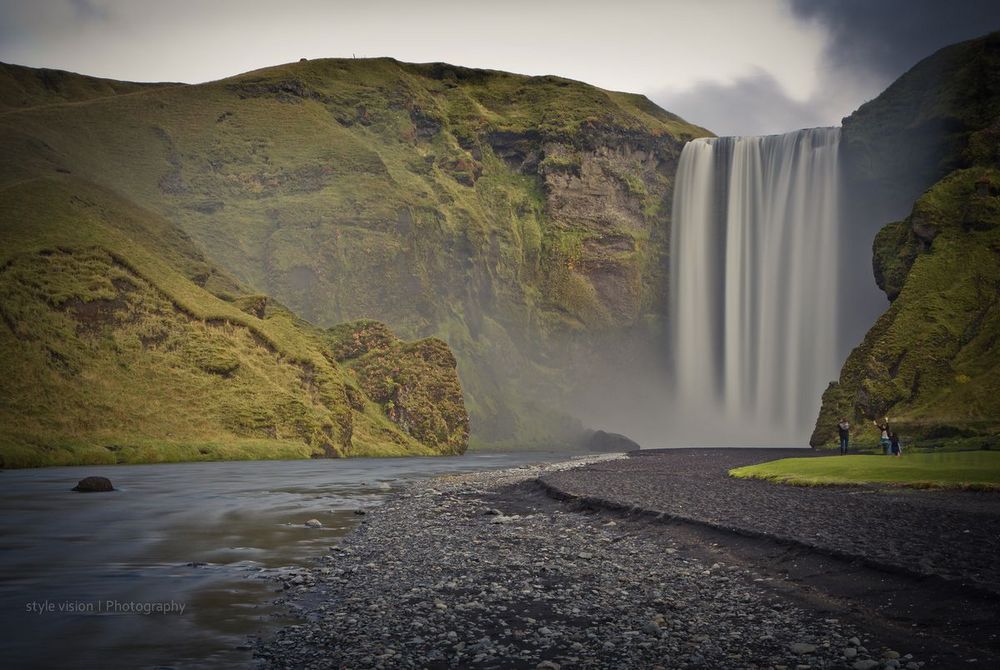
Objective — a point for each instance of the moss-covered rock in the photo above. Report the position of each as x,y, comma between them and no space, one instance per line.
931,362
414,383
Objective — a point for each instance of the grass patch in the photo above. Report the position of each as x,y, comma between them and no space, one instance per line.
962,470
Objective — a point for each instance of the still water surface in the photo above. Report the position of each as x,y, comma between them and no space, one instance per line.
79,573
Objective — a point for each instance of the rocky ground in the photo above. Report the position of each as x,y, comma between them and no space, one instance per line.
486,570
951,534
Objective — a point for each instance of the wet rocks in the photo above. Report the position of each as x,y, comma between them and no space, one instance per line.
94,485
313,523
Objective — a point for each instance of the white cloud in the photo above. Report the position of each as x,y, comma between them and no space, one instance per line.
635,45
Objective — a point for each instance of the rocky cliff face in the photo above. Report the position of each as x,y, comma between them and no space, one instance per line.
930,362
523,220
415,382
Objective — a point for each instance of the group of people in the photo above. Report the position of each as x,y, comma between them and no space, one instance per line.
889,439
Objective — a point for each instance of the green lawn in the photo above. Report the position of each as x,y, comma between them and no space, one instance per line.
964,469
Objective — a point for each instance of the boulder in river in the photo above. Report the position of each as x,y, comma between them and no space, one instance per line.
313,523
94,485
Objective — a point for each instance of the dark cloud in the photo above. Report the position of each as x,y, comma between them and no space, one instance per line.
752,105
869,45
886,38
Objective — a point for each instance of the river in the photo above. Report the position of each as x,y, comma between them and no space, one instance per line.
100,579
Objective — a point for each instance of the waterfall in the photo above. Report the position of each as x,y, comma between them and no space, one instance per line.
753,286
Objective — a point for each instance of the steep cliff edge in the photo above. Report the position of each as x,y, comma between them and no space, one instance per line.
523,220
931,362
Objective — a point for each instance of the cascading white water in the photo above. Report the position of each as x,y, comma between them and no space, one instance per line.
753,270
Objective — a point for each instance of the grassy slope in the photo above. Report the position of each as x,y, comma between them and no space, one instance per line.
22,87
443,201
966,469
931,361
116,348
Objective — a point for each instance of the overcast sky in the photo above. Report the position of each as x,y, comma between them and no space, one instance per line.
733,66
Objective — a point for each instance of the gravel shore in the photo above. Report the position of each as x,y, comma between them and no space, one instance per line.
485,570
951,534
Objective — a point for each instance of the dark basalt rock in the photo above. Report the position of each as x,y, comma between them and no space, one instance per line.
600,440
94,485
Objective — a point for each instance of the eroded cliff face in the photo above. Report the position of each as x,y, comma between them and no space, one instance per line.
523,220
616,196
589,290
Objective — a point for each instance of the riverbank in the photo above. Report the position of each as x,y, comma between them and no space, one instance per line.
488,570
935,533
209,538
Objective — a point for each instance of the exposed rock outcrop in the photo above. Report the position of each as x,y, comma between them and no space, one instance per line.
415,383
600,440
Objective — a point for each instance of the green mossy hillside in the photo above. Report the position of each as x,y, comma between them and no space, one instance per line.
523,220
121,344
931,362
22,87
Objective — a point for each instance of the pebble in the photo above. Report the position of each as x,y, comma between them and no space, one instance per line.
693,483
545,581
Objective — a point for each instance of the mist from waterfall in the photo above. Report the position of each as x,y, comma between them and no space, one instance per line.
754,263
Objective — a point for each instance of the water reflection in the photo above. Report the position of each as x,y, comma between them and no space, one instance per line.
74,568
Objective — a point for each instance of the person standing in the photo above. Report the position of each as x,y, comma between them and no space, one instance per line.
884,439
844,430
894,447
